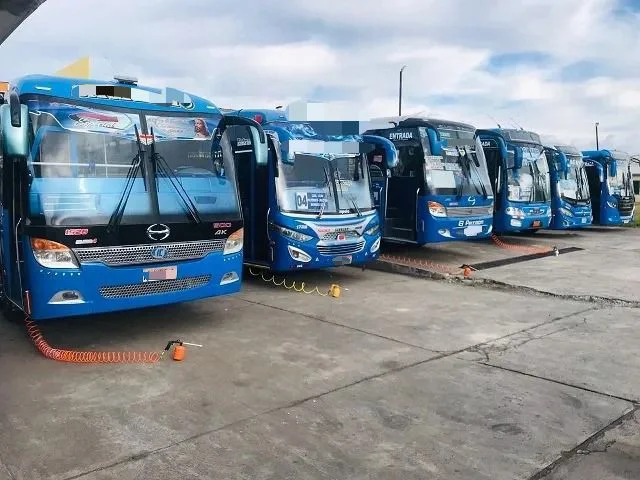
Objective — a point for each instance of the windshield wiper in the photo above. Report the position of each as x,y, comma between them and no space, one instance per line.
327,185
136,166
353,202
535,170
475,169
460,186
159,161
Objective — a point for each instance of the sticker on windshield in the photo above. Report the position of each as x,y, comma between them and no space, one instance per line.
310,200
194,128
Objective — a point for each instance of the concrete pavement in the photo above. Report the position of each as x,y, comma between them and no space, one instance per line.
400,377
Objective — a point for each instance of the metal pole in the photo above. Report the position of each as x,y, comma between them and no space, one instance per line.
597,142
400,93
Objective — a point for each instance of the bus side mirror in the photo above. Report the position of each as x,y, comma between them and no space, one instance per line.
435,142
260,148
613,169
517,159
15,139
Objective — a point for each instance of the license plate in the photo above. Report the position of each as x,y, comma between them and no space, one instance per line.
159,273
537,223
344,260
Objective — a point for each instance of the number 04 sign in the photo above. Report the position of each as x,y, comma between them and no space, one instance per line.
301,201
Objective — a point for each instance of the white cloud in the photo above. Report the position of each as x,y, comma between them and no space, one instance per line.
257,54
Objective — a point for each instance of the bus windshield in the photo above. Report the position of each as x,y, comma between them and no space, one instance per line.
456,173
327,184
621,184
531,182
575,186
81,156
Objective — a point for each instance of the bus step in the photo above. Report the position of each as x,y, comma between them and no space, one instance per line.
522,258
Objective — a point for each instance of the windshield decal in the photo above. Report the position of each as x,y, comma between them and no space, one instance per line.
187,128
82,119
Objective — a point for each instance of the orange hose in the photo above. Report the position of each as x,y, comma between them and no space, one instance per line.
72,356
523,248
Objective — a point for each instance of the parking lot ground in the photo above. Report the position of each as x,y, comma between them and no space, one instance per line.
399,377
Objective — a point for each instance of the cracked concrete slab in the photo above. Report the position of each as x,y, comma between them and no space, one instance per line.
613,456
597,350
433,315
446,419
588,272
58,419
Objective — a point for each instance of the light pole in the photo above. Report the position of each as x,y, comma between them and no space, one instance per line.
597,142
400,92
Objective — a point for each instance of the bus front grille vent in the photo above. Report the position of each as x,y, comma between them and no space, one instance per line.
341,248
156,287
141,254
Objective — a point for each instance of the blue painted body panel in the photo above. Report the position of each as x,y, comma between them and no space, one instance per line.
609,212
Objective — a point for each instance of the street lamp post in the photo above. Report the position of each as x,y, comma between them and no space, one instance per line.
400,92
597,142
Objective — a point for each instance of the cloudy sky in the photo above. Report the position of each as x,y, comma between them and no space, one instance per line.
553,66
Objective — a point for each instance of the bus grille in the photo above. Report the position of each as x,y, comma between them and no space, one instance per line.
334,235
140,254
341,248
469,211
151,288
625,205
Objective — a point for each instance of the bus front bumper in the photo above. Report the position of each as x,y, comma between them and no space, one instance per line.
97,288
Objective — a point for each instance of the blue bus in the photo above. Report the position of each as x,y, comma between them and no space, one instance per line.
311,205
440,190
116,196
611,186
520,179
570,198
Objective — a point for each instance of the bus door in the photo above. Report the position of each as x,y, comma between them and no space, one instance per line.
249,146
494,147
14,189
595,176
404,186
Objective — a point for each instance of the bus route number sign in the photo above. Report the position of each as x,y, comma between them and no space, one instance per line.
310,200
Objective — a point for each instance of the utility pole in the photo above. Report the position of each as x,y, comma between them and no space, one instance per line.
597,141
400,92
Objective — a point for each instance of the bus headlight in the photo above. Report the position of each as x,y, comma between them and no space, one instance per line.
436,209
53,254
234,243
299,255
612,204
292,234
373,230
566,212
514,212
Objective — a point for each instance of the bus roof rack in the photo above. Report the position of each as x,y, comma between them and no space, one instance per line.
126,79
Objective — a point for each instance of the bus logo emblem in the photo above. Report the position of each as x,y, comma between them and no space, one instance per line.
158,231
160,252
342,236
472,200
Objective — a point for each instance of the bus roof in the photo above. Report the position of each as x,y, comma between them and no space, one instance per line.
606,154
568,149
121,93
518,135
